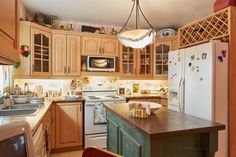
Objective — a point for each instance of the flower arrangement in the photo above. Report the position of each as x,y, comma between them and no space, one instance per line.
24,50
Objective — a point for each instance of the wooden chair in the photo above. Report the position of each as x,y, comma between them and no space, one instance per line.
97,152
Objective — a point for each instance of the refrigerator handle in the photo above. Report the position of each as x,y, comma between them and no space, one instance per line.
179,95
182,95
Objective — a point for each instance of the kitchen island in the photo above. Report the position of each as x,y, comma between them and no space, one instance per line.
165,133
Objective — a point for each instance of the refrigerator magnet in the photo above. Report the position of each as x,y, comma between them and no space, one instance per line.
220,58
204,55
224,53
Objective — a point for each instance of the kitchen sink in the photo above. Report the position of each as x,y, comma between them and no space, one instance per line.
23,106
21,110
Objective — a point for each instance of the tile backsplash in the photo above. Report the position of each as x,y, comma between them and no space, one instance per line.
63,85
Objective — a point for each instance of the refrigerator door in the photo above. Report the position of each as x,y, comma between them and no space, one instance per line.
175,78
198,89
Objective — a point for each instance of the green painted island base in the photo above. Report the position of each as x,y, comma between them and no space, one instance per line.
126,140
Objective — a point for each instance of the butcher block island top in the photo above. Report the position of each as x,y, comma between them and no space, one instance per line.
155,136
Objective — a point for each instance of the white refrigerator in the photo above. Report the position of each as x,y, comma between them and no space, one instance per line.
198,85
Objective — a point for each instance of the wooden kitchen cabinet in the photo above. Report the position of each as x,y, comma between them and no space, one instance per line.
41,52
96,45
128,61
9,31
161,50
69,125
109,46
59,54
66,55
91,46
145,61
136,62
47,123
38,39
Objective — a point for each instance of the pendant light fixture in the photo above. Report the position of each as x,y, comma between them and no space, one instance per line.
137,38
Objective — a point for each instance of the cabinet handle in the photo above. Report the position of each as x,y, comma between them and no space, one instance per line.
103,50
80,107
100,50
65,69
68,69
32,67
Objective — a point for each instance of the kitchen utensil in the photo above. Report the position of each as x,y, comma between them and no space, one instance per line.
21,99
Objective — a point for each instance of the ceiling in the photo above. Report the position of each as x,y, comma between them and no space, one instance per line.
161,13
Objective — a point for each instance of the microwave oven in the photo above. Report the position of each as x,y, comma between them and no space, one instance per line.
101,63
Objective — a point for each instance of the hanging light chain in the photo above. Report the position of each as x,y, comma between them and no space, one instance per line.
138,8
128,17
145,17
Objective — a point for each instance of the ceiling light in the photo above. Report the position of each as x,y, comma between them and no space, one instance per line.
137,38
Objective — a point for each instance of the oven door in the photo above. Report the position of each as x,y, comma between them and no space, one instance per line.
95,118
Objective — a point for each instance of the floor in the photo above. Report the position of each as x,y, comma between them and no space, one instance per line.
68,154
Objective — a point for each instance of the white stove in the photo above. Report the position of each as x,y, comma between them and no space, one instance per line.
96,96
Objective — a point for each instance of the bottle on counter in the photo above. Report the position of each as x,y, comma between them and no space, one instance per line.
26,88
17,90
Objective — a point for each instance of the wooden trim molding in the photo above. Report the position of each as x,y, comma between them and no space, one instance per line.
232,82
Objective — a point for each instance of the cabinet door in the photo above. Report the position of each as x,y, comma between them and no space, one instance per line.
73,55
91,46
161,57
128,61
112,136
145,63
69,125
59,66
109,47
41,52
128,146
9,30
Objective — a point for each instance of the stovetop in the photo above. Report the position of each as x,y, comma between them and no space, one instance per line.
99,98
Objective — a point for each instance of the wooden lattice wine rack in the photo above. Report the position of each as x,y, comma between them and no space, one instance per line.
215,26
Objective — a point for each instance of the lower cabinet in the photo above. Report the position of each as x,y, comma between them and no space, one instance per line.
47,127
123,139
68,125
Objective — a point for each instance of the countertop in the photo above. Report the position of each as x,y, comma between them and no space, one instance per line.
164,122
144,96
34,120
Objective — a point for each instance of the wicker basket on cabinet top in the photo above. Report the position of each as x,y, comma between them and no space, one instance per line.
215,26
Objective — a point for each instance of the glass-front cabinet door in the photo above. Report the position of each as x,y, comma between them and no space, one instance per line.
146,60
128,61
161,58
41,53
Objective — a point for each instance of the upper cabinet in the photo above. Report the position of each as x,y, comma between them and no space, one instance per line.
66,55
41,52
145,62
109,47
136,62
38,39
96,45
128,61
9,31
161,50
